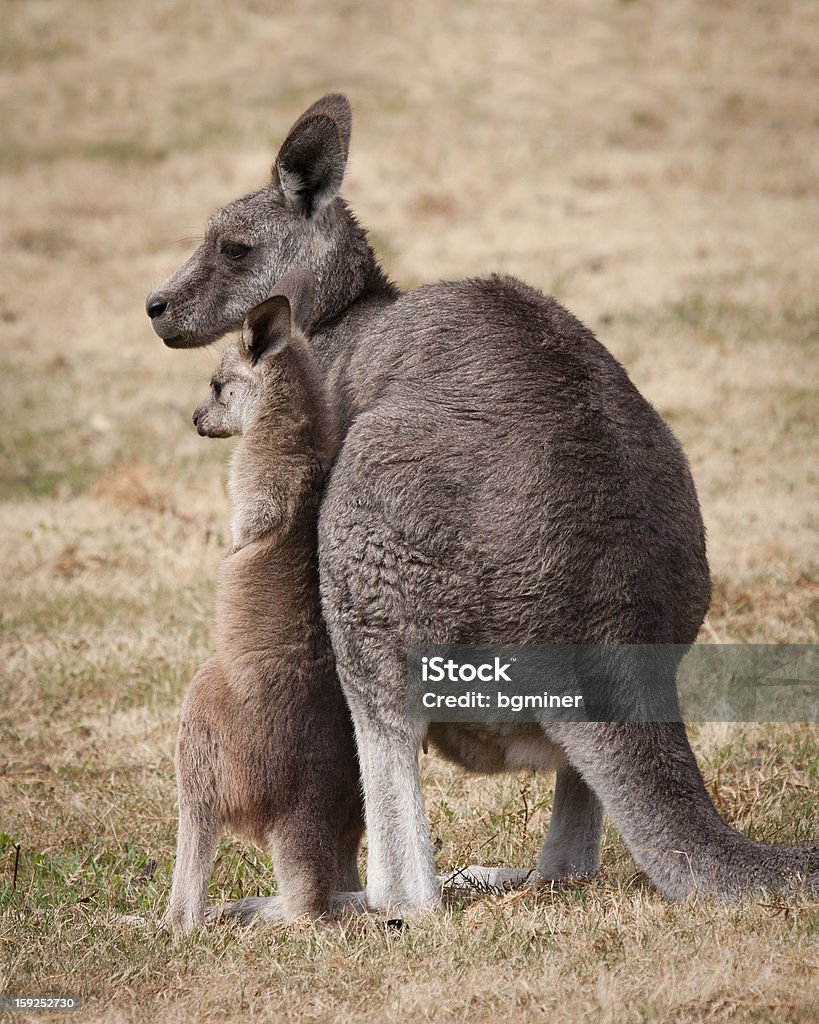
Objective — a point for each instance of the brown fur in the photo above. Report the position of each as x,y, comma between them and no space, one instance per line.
265,741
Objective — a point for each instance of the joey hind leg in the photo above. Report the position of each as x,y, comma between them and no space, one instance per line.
311,883
572,845
305,862
347,876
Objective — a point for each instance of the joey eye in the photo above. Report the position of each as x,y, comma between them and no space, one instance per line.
235,250
216,387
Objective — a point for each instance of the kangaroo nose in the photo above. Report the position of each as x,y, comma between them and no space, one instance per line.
156,306
196,418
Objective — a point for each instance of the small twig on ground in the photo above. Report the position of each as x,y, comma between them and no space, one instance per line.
524,790
16,865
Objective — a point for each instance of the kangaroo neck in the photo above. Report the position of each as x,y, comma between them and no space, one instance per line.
334,342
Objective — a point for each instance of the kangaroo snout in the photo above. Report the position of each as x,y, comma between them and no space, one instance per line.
155,305
200,421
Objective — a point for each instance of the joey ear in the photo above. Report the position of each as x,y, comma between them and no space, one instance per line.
310,165
299,288
267,328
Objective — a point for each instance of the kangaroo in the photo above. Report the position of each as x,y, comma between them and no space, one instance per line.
499,480
265,740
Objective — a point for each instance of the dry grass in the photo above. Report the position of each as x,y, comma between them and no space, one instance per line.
653,164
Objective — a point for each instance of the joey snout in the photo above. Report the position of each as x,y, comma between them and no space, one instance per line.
208,425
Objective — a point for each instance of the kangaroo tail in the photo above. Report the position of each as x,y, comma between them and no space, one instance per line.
647,778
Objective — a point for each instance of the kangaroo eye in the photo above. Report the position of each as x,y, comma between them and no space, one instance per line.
216,385
235,250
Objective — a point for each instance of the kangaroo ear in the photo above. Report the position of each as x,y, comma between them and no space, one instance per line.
299,288
337,108
267,328
310,165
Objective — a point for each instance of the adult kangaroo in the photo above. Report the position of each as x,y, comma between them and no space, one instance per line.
500,481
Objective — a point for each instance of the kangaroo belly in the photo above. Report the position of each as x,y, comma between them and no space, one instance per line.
495,747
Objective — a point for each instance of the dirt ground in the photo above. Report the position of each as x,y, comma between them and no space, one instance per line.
653,165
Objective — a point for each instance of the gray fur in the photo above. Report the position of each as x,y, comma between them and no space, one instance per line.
500,481
302,225
572,846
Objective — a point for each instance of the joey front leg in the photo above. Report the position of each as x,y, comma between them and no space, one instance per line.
197,781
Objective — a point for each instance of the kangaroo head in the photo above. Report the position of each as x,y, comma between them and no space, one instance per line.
248,378
297,220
